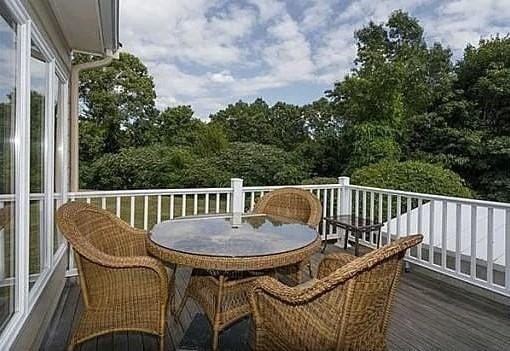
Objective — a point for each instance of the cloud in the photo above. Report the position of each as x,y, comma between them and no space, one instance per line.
208,53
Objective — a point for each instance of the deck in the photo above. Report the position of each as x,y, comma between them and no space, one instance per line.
428,315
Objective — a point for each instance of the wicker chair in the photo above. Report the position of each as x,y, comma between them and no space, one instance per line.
291,203
123,288
295,204
347,308
4,217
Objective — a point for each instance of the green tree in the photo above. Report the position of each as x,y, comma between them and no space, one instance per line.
118,101
470,130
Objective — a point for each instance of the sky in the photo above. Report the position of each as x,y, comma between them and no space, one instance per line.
209,53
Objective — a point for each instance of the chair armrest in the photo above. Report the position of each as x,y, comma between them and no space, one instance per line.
147,263
332,262
290,295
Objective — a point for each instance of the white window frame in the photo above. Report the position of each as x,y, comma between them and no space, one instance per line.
25,299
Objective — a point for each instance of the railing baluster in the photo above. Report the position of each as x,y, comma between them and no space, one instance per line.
88,200
252,201
364,206
103,203
507,250
172,204
195,204
117,206
458,237
432,223
206,205
132,213
399,215
490,244
444,234
372,206
388,218
409,209
356,203
474,214
324,204
227,209
331,208
158,210
420,226
145,212
217,203
183,205
380,208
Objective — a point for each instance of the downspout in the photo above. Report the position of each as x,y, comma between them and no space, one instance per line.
75,112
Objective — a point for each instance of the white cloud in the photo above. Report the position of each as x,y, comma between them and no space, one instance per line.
209,53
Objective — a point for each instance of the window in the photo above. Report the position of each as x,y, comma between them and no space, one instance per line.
7,166
38,99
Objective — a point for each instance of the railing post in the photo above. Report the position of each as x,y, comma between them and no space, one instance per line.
237,195
345,198
344,207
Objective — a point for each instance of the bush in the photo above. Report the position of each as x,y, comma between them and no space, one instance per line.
412,176
320,180
138,168
259,164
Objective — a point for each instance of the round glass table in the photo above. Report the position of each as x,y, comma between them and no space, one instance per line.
255,242
226,254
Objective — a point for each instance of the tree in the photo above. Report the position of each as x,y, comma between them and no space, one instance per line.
118,102
470,130
282,125
396,77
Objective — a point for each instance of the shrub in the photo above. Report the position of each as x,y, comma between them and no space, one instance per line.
320,180
139,168
259,164
412,176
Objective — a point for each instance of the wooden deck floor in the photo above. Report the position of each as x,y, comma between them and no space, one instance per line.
428,315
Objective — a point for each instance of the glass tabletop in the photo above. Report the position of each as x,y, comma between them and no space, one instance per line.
225,236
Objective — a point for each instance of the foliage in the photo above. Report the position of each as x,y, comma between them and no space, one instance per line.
319,180
118,102
403,100
138,168
470,129
260,164
412,176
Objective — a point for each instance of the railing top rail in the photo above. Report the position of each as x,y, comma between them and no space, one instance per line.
143,192
274,187
466,201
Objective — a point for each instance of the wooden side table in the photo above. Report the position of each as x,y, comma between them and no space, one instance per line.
357,225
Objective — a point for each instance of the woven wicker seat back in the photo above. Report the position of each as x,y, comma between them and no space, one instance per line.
123,287
348,308
291,203
4,217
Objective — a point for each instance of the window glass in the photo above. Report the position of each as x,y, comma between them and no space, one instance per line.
7,165
38,95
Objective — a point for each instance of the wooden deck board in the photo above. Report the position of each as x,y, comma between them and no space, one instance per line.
428,315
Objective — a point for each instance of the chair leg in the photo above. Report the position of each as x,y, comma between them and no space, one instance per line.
215,339
162,342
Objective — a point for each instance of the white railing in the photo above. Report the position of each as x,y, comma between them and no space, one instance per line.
463,238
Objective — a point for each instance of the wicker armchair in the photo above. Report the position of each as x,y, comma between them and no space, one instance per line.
291,203
347,308
4,217
295,204
123,288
